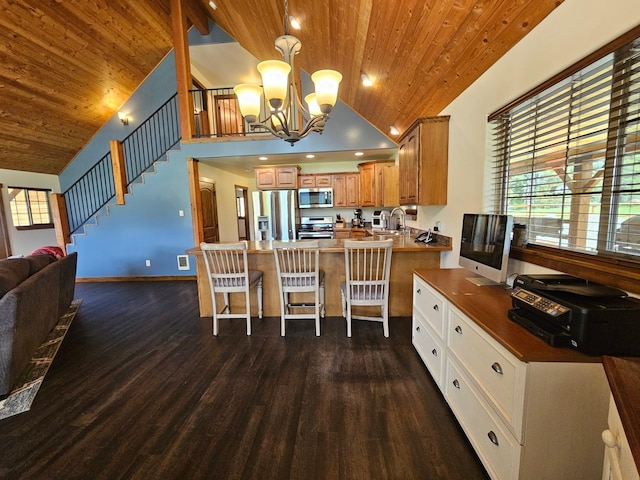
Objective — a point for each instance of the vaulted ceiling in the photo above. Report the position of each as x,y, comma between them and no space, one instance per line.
67,66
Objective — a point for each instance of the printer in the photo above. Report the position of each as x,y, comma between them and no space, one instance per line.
567,311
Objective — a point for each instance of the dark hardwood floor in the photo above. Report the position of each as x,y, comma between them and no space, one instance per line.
140,389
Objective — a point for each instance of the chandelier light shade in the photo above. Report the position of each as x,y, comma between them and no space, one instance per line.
275,81
326,83
287,118
249,100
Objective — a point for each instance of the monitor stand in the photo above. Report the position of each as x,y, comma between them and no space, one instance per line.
482,282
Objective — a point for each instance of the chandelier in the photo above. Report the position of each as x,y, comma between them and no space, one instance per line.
287,118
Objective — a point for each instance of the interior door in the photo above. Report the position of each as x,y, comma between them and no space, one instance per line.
242,200
229,120
209,212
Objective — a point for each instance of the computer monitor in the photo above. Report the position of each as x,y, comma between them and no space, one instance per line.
484,246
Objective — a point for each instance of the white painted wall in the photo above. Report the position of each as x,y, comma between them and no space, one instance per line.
24,242
225,183
572,31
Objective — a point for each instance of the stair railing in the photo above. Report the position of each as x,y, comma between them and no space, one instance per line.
147,144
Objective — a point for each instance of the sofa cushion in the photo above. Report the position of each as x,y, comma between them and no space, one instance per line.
13,271
38,262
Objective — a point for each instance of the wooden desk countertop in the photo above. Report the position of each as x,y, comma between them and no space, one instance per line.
488,306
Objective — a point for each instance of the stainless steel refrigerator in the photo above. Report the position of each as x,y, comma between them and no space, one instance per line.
274,214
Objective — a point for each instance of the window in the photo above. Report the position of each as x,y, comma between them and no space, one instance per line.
30,208
566,160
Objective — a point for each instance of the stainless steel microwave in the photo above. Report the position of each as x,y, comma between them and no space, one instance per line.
315,197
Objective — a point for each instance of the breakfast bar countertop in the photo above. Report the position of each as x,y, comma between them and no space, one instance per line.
401,243
407,255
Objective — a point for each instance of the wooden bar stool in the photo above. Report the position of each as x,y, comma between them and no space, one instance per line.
297,271
367,265
228,272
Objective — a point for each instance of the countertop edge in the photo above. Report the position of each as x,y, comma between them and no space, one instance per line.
337,245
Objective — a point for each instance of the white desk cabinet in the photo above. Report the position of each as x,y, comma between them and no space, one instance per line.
618,461
529,410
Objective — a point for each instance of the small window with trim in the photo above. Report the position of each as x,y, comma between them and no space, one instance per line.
30,208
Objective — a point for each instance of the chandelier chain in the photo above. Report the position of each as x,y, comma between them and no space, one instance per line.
285,20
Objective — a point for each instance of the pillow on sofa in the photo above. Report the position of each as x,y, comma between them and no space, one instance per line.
38,262
13,271
52,250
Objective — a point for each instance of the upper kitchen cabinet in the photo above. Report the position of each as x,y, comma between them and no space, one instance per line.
367,184
387,184
273,178
346,189
378,184
317,180
423,155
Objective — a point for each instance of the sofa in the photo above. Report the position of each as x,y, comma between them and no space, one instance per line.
34,292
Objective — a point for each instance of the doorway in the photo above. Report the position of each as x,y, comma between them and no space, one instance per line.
242,199
229,120
209,211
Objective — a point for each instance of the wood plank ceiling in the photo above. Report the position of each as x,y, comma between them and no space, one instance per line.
67,66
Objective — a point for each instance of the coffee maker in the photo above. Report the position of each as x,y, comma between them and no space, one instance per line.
357,221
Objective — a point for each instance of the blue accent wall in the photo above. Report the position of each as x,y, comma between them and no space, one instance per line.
148,226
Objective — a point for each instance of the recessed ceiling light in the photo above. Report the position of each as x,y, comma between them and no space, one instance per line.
366,81
393,130
263,158
295,24
359,154
311,155
213,5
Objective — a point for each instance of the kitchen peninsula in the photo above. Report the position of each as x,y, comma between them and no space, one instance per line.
407,255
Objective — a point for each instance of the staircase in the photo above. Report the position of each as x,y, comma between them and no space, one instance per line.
96,191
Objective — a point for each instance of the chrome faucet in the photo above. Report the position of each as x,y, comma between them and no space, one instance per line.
401,224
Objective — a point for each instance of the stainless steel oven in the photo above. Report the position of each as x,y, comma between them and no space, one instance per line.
315,197
315,228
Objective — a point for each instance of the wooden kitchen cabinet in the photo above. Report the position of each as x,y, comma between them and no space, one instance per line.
378,184
423,156
367,184
272,178
387,184
313,181
346,189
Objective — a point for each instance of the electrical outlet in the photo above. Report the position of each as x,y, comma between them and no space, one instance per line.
147,263
181,213
183,262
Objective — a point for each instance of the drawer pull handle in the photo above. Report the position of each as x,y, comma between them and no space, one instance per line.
609,438
419,291
434,352
493,437
458,329
456,384
497,368
418,328
436,308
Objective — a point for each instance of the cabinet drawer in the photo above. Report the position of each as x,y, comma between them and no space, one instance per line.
496,447
498,374
428,346
430,304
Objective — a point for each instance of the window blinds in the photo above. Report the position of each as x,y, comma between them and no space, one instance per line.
566,162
